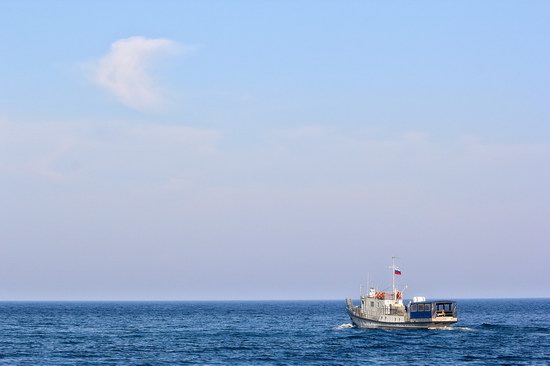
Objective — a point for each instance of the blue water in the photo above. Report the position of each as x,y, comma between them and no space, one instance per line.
493,332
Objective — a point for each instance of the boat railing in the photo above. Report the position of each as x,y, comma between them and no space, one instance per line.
397,311
354,309
382,295
443,313
445,310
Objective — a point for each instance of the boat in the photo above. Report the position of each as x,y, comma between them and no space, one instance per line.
381,309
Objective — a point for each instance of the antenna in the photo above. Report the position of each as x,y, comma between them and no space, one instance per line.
368,281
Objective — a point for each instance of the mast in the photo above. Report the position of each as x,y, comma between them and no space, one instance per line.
393,276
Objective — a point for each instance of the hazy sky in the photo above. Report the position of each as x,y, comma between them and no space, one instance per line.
273,149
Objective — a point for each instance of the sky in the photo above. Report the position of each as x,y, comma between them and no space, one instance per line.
240,150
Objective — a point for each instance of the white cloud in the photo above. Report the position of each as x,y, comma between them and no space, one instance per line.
124,71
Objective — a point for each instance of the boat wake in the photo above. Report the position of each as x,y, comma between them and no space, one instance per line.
464,329
345,326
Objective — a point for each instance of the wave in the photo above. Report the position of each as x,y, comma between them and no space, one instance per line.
511,327
345,326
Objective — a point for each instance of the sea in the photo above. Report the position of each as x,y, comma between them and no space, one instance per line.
489,332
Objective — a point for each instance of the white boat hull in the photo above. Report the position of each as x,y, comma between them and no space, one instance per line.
361,322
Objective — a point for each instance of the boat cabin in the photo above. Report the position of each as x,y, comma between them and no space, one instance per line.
432,309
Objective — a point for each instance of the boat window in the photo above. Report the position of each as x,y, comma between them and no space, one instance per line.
413,308
420,307
443,307
427,307
372,303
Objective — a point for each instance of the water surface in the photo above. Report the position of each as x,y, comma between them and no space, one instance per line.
507,332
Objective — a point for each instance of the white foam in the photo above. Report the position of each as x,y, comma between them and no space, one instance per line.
345,326
464,329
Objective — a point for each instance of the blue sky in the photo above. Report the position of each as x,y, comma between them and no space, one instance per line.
273,150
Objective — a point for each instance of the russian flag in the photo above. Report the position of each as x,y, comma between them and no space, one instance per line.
397,271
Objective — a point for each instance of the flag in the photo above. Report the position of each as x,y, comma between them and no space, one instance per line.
397,271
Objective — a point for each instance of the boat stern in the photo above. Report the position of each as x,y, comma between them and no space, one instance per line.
439,313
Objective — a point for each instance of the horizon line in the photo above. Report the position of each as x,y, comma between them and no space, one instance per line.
255,300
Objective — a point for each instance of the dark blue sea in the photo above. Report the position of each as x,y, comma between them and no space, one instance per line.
490,332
